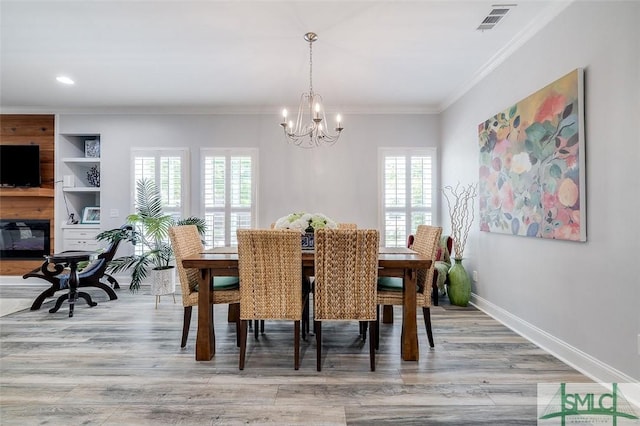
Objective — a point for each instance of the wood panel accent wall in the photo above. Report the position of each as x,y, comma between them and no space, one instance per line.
29,203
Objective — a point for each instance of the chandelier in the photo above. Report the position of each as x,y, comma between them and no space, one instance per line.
311,127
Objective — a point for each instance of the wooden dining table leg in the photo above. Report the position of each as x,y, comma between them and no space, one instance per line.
206,339
409,343
387,314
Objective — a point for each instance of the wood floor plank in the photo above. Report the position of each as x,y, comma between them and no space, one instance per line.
120,362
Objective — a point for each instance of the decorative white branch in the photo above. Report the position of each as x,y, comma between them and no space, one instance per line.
460,201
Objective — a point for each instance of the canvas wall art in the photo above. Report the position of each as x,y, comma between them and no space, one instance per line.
532,165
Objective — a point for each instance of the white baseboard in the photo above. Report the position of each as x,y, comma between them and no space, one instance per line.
591,367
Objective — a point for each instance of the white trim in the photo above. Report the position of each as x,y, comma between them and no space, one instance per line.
574,357
526,34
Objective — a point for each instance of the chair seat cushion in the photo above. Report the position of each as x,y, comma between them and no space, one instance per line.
221,283
226,283
442,269
390,284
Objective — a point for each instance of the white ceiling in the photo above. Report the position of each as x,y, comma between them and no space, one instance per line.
250,56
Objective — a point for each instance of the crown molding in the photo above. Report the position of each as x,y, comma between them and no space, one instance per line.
534,27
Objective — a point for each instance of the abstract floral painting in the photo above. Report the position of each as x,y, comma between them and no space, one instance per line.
532,168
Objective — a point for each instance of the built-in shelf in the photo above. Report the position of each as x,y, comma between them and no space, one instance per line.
74,168
80,160
82,189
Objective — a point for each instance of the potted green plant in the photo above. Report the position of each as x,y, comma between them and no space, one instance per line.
149,230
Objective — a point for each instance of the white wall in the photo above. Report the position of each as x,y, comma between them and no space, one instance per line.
581,300
340,181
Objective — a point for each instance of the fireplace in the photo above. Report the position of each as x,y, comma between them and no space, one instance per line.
24,239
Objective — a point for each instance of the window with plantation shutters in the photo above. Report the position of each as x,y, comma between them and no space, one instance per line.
229,193
168,169
406,188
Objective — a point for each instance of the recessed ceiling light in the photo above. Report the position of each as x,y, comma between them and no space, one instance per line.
64,80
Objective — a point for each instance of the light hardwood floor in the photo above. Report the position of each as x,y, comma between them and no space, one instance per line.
120,363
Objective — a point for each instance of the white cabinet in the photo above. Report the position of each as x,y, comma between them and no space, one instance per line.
80,237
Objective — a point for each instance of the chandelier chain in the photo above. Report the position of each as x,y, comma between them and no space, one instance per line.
311,66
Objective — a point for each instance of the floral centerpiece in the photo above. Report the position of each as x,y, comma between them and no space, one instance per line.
305,222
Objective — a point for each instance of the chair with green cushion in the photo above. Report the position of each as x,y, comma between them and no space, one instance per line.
185,241
390,289
442,265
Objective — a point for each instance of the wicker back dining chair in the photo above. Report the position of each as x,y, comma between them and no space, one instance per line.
185,241
390,290
270,266
346,268
345,225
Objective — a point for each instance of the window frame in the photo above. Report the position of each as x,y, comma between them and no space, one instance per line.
407,209
185,181
228,153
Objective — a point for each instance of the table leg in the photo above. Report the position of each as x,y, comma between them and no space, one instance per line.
409,344
206,340
387,314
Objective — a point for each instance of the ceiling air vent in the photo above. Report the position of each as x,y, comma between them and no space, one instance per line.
498,12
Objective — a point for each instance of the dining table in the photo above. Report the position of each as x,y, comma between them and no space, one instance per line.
223,261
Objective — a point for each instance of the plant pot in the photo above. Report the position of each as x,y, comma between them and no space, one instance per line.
459,284
163,281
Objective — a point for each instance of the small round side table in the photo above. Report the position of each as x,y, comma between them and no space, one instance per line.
69,259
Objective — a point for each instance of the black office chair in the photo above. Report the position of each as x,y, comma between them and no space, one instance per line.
90,276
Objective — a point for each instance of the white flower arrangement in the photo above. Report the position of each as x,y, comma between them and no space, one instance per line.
302,221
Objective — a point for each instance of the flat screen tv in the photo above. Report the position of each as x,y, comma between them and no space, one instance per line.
20,166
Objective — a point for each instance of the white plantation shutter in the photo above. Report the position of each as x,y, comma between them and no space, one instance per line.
168,168
229,193
406,192
170,185
395,198
144,167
